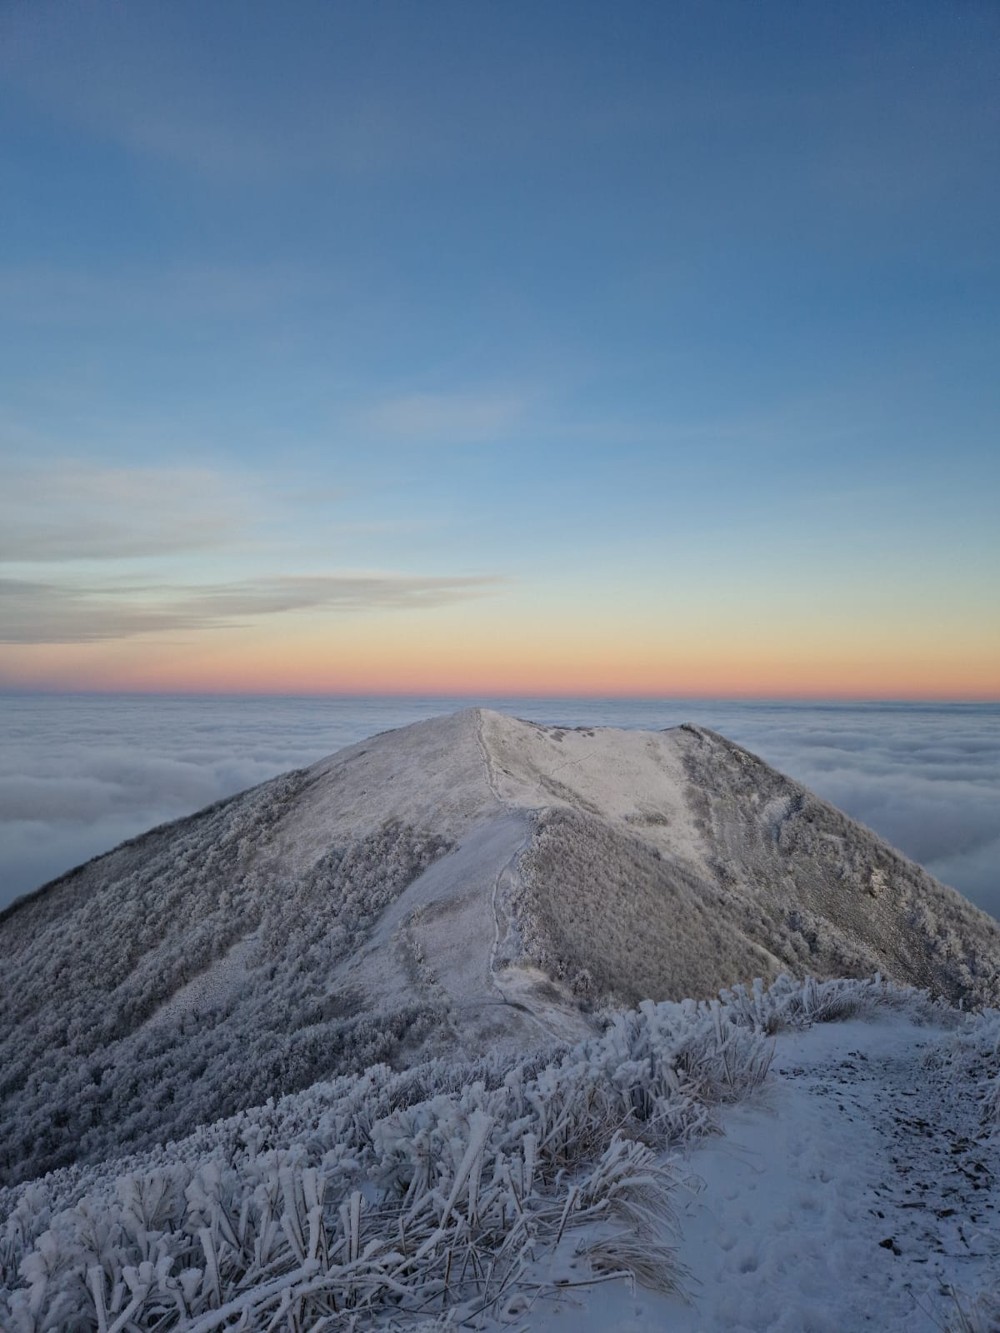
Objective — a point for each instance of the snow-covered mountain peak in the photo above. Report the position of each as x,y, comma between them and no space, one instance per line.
471,883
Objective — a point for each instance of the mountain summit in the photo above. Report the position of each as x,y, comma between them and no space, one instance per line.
465,884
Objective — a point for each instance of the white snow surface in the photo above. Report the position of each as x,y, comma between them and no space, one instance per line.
857,1189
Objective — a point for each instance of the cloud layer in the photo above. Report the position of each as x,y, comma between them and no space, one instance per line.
79,774
80,613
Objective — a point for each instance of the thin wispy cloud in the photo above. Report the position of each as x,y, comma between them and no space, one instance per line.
35,612
446,418
65,511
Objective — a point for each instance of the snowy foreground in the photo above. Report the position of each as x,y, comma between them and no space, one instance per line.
855,1190
813,1157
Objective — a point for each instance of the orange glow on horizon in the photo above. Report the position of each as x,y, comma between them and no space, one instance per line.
378,657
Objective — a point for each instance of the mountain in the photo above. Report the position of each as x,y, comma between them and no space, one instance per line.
473,883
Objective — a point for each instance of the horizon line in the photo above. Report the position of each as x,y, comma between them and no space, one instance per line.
611,696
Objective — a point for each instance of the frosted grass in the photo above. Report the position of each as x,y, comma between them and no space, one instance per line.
399,1197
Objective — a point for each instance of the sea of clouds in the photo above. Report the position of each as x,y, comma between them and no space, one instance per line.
78,774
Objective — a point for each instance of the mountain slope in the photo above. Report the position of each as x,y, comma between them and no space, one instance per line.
466,884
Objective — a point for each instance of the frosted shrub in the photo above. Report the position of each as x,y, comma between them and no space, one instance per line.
381,1197
789,1002
972,1058
425,1194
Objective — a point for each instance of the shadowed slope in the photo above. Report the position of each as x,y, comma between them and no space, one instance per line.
715,865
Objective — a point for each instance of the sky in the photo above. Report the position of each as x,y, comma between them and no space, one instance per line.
550,348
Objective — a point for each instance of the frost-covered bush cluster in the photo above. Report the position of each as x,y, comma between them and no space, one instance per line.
184,976
392,1197
398,1196
793,1003
485,1173
971,1059
404,1194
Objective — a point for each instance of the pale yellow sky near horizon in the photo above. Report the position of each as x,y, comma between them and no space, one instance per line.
461,650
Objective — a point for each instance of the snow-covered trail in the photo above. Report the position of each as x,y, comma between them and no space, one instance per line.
856,1191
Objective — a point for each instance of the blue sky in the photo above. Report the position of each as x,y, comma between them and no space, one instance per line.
375,328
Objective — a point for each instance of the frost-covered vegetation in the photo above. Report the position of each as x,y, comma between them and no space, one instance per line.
365,1162
396,1196
106,1037
603,909
972,1061
593,894
824,895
